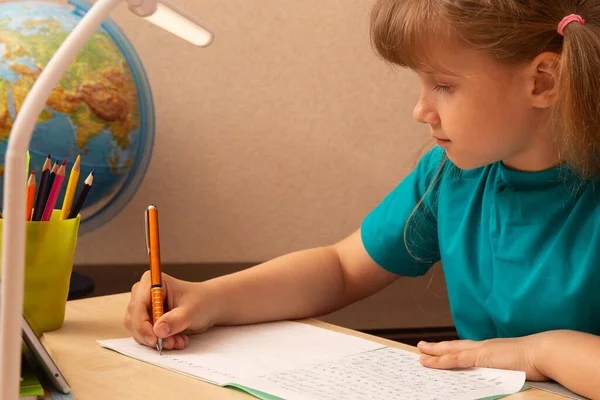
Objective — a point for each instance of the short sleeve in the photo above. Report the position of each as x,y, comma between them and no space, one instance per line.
383,229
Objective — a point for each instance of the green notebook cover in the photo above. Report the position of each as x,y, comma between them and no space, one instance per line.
266,396
254,392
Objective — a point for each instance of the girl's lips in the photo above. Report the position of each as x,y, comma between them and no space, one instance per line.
442,142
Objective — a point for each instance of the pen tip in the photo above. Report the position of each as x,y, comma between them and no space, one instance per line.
64,162
92,173
49,156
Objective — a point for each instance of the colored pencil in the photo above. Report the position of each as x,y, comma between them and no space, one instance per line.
51,178
57,184
30,196
40,200
71,186
87,184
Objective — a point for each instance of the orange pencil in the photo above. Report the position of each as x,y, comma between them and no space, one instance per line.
30,196
153,249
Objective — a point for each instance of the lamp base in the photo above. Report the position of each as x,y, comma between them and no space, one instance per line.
80,286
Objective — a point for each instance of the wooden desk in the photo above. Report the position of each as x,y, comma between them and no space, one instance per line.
97,373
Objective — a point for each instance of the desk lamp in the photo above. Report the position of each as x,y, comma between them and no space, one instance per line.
13,236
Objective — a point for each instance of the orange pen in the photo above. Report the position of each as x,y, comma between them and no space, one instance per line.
153,249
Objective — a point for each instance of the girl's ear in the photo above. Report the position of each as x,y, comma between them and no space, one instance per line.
543,80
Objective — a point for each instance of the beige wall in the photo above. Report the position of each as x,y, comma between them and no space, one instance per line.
282,135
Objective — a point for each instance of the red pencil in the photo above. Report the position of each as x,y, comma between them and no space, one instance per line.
53,196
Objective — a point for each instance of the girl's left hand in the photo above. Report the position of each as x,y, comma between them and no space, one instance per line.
514,354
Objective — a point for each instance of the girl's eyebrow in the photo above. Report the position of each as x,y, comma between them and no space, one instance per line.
437,69
432,72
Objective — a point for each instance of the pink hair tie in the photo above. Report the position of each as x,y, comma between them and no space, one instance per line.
567,20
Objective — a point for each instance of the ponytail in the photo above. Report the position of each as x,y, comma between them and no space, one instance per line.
577,112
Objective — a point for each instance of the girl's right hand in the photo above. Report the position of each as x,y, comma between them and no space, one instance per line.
185,312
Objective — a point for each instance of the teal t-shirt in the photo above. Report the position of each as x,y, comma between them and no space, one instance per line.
520,250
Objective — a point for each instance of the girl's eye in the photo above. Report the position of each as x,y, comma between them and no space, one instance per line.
442,88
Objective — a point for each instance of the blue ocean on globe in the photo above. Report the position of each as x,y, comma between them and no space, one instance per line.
102,109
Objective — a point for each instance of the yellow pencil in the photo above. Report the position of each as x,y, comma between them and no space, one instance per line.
71,186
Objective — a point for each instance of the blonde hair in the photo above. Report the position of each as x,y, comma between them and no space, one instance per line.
421,208
513,32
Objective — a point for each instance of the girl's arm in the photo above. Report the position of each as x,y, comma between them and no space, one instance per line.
572,359
567,357
302,284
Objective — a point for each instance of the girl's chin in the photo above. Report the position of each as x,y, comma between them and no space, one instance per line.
465,163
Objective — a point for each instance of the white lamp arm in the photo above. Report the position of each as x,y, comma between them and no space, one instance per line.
13,235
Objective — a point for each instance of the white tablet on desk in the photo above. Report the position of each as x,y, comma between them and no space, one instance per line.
43,359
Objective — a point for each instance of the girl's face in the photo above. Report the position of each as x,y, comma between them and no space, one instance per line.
481,112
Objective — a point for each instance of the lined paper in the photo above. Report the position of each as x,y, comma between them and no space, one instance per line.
387,373
297,361
225,354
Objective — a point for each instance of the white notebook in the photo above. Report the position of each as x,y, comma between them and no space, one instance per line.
297,361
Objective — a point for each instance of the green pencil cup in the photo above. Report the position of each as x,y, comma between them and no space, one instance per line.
49,252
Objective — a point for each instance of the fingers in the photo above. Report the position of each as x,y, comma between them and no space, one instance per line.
441,348
450,354
181,341
460,359
172,323
177,342
137,317
170,326
149,341
137,321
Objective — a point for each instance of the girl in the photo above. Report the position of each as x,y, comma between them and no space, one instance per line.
507,200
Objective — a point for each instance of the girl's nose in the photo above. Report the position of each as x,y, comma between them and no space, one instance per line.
425,114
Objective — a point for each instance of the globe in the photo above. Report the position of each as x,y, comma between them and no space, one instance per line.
102,109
